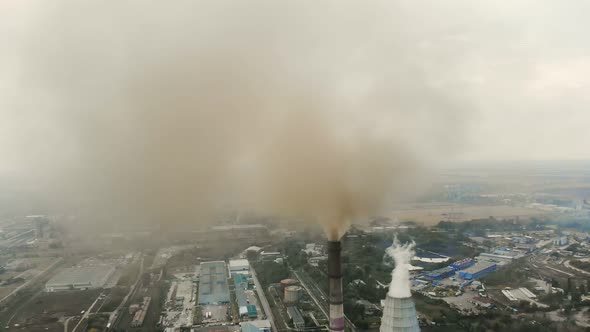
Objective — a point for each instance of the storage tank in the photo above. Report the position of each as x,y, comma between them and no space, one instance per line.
292,294
288,282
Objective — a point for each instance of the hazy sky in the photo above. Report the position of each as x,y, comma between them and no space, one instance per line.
522,67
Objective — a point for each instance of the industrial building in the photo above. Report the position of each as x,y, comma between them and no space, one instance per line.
315,261
295,315
462,264
478,270
80,278
239,266
245,308
560,241
213,288
440,273
501,256
256,326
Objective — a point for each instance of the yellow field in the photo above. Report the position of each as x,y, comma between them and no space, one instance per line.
430,214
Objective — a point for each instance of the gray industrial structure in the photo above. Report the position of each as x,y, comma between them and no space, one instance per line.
399,315
80,278
335,280
295,315
213,288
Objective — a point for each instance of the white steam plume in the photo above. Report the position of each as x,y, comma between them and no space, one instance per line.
400,277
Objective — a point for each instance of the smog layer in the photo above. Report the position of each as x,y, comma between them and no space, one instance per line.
164,113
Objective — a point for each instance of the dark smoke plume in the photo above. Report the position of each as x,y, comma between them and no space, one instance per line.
164,112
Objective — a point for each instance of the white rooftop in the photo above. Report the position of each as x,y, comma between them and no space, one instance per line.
238,263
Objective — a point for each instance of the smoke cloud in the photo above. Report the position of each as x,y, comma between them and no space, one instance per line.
164,113
400,276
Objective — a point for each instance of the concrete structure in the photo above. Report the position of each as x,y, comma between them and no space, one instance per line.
462,264
489,256
180,303
440,273
269,255
80,278
336,299
256,326
527,292
560,241
315,261
478,270
295,315
509,295
292,294
399,315
239,266
213,288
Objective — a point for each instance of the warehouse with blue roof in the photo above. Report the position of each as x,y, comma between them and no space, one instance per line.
213,287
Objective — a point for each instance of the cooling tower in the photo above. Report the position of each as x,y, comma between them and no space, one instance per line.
399,315
335,275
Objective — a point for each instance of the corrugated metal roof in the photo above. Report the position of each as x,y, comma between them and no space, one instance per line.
213,286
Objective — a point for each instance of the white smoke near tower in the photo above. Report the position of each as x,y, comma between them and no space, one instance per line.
399,312
400,277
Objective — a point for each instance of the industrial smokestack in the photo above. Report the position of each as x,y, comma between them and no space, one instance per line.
335,275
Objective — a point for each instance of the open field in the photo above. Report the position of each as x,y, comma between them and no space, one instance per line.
45,311
432,213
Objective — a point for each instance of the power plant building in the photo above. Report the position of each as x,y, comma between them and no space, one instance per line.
80,278
462,264
239,266
256,326
213,287
440,273
478,270
295,315
244,307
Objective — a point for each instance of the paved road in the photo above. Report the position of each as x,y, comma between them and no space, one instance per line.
263,299
84,318
568,265
66,322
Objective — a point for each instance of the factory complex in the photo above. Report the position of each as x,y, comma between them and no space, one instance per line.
477,270
204,300
213,288
81,278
